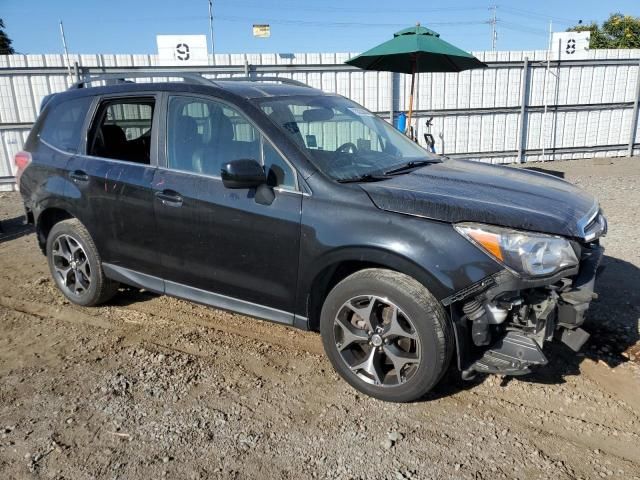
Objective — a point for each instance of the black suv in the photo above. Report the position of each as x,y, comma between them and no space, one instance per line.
279,201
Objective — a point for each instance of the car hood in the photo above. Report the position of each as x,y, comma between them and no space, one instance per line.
459,191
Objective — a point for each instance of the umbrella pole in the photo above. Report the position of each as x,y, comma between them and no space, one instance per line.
413,81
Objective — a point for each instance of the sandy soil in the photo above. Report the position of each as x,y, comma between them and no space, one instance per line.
150,387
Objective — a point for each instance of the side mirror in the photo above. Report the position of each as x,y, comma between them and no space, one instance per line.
245,173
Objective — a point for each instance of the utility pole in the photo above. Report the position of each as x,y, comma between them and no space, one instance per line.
211,30
544,91
494,32
66,52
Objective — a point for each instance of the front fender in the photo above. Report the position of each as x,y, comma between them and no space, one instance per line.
432,252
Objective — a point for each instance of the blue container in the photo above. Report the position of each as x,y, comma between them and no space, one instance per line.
401,122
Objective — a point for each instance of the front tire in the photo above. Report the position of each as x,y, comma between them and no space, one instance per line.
75,265
386,335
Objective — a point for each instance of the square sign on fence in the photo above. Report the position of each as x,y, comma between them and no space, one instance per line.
570,45
261,30
182,49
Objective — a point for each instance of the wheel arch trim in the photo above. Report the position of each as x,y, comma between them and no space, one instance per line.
320,273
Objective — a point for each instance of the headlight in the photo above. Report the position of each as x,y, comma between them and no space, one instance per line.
526,253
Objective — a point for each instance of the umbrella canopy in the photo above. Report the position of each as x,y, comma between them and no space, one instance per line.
414,50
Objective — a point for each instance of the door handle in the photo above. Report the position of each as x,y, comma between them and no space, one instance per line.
79,176
169,198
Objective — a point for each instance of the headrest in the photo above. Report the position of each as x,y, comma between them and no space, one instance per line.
226,128
113,135
221,126
186,129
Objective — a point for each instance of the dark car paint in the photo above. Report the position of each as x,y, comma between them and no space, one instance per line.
458,191
114,199
116,203
339,223
46,179
222,241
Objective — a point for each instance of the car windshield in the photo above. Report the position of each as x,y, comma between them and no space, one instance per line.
343,139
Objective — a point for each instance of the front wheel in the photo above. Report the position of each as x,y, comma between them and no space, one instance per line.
75,264
386,335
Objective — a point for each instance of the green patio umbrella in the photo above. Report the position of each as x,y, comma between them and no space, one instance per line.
415,50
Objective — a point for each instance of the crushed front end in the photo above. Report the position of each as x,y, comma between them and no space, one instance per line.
502,323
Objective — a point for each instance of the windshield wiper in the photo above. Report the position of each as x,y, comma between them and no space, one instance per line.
367,177
408,166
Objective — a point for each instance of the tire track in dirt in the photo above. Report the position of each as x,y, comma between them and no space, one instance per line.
549,440
231,323
552,429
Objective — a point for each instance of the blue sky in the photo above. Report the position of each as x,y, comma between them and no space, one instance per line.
130,26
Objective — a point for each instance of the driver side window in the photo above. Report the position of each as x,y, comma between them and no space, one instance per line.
202,135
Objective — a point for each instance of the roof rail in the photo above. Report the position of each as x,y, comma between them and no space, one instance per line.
115,78
288,81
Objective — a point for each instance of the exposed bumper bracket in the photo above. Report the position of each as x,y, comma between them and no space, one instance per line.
574,339
514,354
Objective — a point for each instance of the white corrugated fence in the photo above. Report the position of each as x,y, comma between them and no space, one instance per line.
495,115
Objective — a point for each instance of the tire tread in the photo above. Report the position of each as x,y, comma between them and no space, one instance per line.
105,287
433,311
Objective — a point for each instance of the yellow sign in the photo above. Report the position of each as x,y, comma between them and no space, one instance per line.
262,31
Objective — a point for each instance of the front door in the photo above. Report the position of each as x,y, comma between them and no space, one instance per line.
214,240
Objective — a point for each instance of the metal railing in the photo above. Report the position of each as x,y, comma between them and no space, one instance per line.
494,114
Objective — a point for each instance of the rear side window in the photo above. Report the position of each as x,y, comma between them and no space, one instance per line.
121,130
63,123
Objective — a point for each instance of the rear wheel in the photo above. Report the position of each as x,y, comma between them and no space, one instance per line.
386,335
75,264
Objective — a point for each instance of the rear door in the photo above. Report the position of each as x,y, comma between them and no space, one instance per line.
219,240
113,179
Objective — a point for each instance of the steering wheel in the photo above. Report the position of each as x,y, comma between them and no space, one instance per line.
347,147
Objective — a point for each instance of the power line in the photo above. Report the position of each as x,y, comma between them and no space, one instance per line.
536,15
318,23
306,8
518,27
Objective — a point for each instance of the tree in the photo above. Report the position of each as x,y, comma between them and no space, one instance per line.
5,41
618,31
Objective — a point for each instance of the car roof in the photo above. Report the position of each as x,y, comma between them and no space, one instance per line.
249,89
239,88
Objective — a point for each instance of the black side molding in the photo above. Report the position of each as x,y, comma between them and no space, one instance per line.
133,278
162,286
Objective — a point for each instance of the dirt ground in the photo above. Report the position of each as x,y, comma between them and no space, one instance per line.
150,387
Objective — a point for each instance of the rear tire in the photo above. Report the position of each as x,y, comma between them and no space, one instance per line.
75,265
401,350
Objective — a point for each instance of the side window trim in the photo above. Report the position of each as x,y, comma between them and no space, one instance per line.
296,187
94,110
86,126
211,98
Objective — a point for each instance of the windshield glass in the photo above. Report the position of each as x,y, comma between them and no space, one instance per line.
343,139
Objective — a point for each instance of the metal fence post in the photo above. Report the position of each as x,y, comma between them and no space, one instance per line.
634,116
391,99
522,121
76,71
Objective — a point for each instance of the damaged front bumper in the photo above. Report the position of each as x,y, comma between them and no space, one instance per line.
502,324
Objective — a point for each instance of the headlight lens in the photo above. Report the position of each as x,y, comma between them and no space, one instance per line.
530,254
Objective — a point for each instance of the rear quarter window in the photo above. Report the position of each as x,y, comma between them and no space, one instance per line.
62,127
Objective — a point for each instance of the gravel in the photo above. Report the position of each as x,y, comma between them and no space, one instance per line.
154,387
